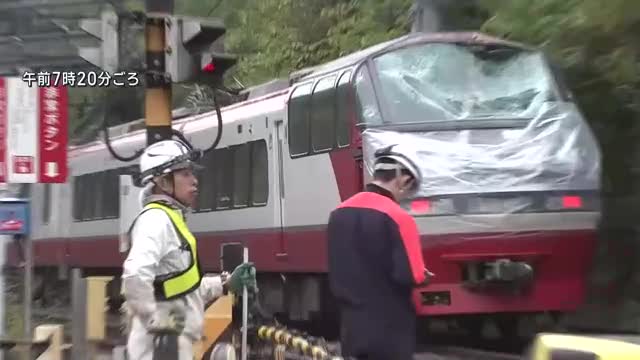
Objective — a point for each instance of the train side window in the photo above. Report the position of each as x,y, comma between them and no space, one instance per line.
259,173
241,175
299,120
224,180
46,206
98,195
95,196
88,197
367,103
343,110
111,196
77,198
322,115
206,183
102,186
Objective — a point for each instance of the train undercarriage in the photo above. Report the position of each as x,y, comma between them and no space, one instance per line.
301,301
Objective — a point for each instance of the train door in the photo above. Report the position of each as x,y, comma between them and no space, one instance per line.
279,171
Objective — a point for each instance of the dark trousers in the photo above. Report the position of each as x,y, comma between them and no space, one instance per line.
375,335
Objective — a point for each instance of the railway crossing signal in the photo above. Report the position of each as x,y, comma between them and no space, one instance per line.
188,42
189,56
178,49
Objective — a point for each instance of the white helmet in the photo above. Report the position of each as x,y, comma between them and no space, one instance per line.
164,157
400,157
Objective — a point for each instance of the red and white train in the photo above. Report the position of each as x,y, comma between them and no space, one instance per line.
507,212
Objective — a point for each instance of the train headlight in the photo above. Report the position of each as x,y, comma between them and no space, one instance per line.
583,201
566,202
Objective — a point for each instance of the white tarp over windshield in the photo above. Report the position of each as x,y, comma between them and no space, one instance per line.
443,84
555,151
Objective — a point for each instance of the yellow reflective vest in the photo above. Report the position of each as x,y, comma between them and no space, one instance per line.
176,284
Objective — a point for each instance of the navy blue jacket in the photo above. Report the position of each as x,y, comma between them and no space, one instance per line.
375,261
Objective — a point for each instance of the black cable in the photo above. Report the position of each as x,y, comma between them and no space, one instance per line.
219,115
105,129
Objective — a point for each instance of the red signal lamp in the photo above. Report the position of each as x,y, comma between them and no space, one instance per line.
209,67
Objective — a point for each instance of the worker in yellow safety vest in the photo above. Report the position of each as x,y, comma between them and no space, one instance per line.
162,281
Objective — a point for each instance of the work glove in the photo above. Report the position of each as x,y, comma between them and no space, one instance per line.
169,317
243,275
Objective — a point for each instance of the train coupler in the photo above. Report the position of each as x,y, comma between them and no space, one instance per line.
501,272
507,270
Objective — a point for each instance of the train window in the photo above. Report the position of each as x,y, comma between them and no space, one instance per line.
343,110
368,109
82,197
111,194
241,174
77,198
224,182
299,120
98,194
206,183
86,210
46,206
260,173
95,195
322,115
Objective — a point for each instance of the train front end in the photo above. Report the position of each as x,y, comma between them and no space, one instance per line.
509,202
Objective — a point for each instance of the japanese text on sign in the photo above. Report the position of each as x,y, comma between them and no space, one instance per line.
51,115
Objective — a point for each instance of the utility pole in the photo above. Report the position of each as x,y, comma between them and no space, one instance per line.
157,99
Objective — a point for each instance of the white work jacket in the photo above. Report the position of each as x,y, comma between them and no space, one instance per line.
156,250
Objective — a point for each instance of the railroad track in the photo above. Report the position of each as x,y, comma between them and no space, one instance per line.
280,342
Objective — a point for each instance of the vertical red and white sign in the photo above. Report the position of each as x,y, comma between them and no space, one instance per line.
3,130
53,135
22,131
33,132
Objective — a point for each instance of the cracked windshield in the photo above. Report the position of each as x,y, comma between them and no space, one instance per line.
439,82
319,179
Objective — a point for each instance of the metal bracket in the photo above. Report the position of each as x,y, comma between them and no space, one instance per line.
157,79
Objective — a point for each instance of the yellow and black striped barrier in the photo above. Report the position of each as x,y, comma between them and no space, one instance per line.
284,338
548,346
